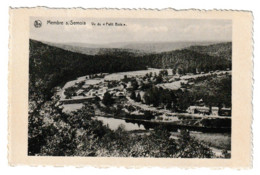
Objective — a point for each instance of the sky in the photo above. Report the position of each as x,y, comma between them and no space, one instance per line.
135,30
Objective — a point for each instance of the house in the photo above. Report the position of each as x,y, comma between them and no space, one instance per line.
203,110
129,85
137,113
225,112
197,71
122,86
200,102
214,110
80,91
100,93
119,94
198,109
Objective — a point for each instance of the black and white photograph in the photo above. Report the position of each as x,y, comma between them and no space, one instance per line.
130,87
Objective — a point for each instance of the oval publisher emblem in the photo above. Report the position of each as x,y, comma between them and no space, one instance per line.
37,23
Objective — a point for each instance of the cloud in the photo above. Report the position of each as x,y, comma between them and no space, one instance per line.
145,28
208,31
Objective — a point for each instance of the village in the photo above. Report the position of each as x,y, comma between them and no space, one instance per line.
128,90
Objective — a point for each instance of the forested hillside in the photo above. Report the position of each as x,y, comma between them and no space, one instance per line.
188,61
223,50
50,66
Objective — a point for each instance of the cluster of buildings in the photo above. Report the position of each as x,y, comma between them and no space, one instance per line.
98,86
89,92
216,111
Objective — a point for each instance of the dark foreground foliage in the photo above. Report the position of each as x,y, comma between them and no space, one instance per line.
53,133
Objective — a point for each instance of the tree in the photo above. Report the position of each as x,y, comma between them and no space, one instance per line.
133,96
107,99
138,98
125,79
147,98
148,115
38,132
225,154
159,79
210,109
168,106
173,71
181,71
194,71
163,72
190,148
134,84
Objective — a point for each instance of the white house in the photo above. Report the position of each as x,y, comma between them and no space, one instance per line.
198,109
214,110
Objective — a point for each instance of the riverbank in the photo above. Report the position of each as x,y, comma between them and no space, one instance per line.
217,141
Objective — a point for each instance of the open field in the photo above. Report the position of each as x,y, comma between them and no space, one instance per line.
120,75
173,85
72,107
215,140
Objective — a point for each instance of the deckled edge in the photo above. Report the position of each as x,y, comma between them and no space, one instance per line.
252,91
9,87
121,9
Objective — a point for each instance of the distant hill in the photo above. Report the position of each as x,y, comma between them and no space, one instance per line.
158,47
139,48
91,49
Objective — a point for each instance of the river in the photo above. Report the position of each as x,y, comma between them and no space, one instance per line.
113,124
217,140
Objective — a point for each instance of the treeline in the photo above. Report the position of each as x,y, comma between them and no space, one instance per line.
175,100
188,61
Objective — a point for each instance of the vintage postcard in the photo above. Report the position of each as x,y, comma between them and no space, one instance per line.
133,88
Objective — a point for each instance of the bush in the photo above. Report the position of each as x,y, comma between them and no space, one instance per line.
107,99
